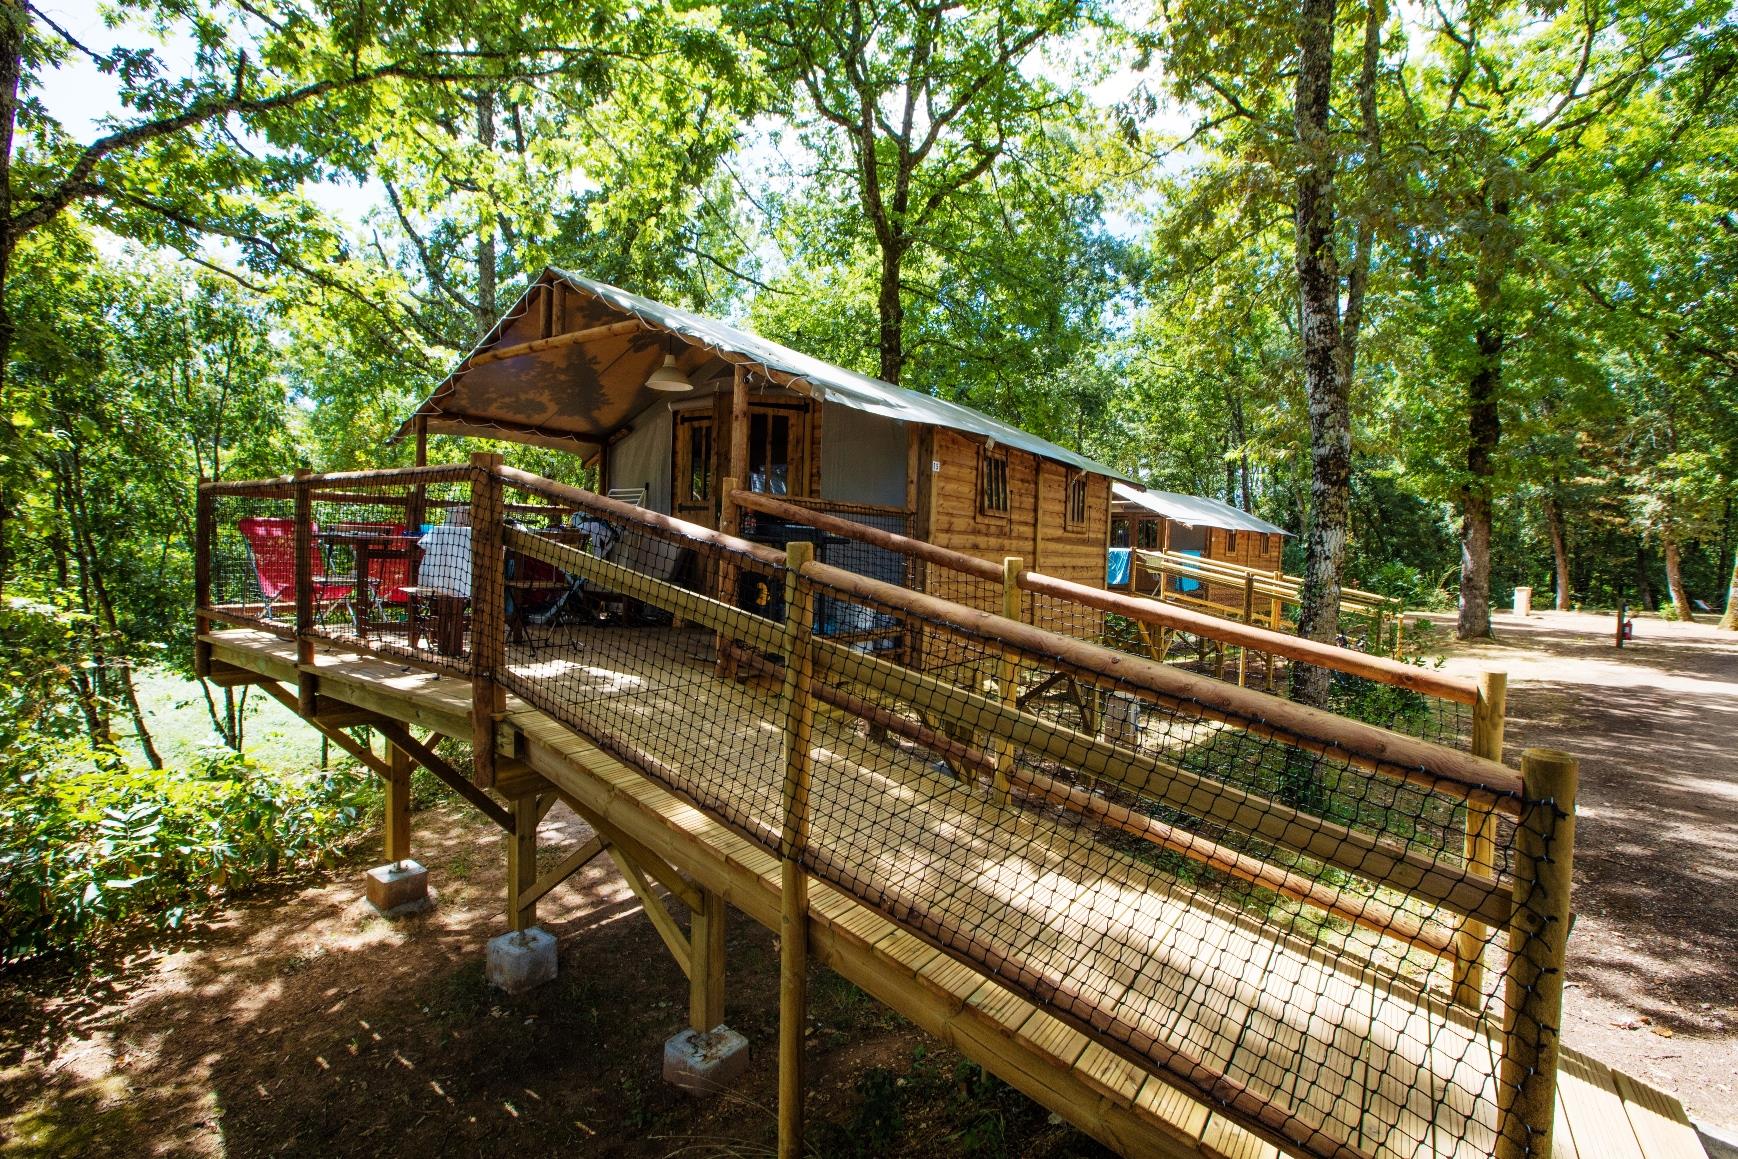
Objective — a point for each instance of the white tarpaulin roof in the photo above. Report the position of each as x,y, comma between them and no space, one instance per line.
1193,510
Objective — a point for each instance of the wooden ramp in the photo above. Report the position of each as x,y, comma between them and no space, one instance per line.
1264,1010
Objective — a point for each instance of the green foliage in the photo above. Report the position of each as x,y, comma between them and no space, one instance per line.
89,843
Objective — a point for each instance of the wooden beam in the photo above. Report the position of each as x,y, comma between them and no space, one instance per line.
343,740
794,887
666,875
1480,843
488,614
555,342
456,781
569,865
522,865
1538,942
666,925
227,676
706,978
793,1007
397,805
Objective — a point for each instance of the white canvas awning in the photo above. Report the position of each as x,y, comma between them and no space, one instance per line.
1192,510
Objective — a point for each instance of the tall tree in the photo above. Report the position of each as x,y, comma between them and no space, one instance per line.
910,102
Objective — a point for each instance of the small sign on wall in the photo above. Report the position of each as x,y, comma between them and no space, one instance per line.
935,466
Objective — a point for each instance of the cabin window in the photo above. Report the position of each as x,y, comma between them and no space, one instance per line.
694,458
992,482
1230,543
1074,517
776,450
1119,532
1149,535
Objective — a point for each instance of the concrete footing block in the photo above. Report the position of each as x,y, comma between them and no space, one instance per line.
705,1064
518,962
398,888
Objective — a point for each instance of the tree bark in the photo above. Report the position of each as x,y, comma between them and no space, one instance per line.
1484,426
890,308
1729,620
487,306
1675,575
14,20
1559,551
1327,369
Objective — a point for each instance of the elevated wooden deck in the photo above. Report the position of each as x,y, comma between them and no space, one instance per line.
1262,1010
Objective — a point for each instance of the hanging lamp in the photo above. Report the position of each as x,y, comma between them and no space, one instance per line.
669,379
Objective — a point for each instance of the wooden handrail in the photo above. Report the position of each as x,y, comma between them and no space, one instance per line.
1378,668
1394,750
437,473
536,484
1267,582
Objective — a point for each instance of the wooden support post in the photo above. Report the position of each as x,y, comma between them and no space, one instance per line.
203,542
1007,675
397,804
794,892
522,866
1622,609
706,977
1248,618
1538,944
307,684
727,572
1481,838
488,614
738,452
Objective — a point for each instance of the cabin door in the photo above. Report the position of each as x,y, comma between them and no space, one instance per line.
693,475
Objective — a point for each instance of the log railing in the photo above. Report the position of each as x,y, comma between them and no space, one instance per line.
1501,884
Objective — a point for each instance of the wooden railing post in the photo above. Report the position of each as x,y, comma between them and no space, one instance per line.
488,614
1538,944
1481,837
1008,673
202,546
727,572
1248,618
307,684
799,708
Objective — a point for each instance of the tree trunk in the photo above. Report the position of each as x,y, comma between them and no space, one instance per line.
14,20
891,309
487,307
1675,575
1484,427
1327,372
1559,550
1729,621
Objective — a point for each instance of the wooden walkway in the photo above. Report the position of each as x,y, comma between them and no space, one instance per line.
1410,1075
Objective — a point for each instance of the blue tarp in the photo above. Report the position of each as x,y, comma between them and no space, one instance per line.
1188,585
1116,567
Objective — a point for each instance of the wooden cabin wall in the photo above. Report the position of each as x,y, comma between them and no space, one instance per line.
1035,528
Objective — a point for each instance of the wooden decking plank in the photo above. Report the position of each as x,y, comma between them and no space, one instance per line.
1222,1138
1175,1111
1596,1108
1660,1124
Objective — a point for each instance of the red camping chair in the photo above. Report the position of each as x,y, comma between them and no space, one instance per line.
271,545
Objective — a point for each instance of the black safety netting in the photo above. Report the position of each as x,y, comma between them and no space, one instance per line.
1200,877
1266,919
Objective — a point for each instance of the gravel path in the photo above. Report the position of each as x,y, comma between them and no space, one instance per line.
1653,957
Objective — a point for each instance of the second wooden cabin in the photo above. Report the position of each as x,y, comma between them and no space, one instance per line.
668,405
1160,521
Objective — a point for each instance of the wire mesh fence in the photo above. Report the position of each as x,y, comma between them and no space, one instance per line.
1302,920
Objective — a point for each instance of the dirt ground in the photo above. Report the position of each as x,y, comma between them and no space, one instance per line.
1653,955
299,1022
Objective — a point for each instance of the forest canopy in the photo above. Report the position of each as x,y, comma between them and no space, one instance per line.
1448,290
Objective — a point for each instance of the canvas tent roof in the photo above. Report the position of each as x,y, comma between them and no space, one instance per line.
577,396
1193,510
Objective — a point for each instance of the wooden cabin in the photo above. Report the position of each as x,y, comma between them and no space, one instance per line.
669,405
1190,524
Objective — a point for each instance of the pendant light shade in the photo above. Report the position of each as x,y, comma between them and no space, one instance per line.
667,378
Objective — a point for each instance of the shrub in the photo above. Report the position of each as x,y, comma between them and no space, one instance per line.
89,841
